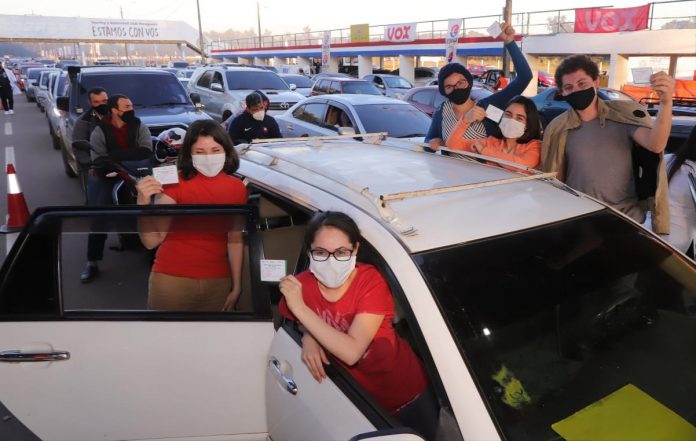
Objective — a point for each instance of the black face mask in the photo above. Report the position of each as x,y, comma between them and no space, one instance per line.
459,96
101,109
581,99
128,117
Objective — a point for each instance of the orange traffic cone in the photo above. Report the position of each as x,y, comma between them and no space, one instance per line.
17,211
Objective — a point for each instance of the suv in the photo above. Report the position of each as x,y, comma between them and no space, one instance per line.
223,89
159,100
390,85
326,86
534,308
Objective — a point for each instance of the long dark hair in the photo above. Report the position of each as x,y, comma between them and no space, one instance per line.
206,127
533,127
336,219
686,151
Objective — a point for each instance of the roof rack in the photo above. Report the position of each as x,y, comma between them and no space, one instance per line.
379,137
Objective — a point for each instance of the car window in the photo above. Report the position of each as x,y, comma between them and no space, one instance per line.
321,86
337,117
205,79
33,74
217,78
298,80
439,99
242,80
144,89
423,97
360,87
311,113
398,120
554,319
397,83
335,87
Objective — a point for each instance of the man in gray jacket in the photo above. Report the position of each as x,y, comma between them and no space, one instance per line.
120,129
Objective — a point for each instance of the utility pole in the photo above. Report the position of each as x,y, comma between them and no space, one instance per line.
507,16
125,45
258,18
200,33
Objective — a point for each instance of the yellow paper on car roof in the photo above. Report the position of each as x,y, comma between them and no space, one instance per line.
627,414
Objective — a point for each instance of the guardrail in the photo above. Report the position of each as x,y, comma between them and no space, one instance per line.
663,15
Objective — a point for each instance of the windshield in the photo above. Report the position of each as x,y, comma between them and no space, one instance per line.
397,83
143,89
362,87
255,80
44,79
554,319
33,74
298,80
398,120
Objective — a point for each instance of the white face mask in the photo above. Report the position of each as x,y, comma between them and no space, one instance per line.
332,273
209,165
258,116
511,128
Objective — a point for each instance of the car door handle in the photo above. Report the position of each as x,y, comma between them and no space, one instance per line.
21,357
290,127
289,383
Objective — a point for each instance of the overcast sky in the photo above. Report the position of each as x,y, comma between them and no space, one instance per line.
281,16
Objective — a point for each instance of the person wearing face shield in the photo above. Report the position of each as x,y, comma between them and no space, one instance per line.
521,135
611,150
117,129
345,308
455,82
254,122
196,271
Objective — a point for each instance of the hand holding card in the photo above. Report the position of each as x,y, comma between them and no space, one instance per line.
641,75
167,174
273,270
494,29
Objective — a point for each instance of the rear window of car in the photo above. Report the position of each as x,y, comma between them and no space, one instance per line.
298,80
255,80
34,73
397,83
362,87
143,89
398,120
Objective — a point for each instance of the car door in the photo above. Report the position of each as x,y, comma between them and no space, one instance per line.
90,361
203,89
306,120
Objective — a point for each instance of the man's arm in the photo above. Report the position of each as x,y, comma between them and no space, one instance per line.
98,143
81,130
655,139
144,138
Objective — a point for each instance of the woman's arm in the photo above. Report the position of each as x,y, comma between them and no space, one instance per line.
456,140
152,229
527,155
348,347
235,256
522,79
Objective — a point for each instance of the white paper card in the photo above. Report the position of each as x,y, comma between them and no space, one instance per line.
273,270
641,75
494,30
493,113
166,175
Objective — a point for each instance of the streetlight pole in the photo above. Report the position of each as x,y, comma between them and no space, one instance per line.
258,19
200,33
507,13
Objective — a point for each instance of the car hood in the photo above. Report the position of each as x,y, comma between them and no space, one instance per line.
169,115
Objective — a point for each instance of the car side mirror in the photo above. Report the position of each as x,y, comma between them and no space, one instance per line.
63,103
196,99
216,87
292,87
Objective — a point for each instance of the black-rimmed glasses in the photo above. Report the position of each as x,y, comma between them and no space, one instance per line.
461,84
321,255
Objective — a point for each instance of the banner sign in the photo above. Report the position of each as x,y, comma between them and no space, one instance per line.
326,48
124,30
360,33
400,33
597,20
454,27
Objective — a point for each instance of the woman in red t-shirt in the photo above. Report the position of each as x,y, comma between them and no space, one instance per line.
199,269
346,308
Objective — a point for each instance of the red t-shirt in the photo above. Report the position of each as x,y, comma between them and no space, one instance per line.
389,370
120,133
194,254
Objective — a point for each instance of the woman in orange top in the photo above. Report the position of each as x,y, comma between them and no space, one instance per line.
520,128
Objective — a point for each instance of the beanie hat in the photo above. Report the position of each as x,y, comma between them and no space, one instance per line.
448,70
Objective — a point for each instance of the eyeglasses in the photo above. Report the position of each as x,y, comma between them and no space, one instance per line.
461,84
321,255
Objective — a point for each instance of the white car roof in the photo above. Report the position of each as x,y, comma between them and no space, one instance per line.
361,172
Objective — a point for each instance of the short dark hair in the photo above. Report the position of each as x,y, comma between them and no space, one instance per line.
253,99
574,63
533,128
206,127
95,91
112,102
335,219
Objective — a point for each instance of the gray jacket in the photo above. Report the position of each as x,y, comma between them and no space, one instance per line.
98,140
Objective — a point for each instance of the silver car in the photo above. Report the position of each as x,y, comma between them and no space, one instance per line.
41,88
58,87
327,115
223,89
390,85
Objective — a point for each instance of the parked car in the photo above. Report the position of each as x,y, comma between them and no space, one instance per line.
21,74
332,114
223,89
327,86
490,77
178,64
549,106
58,86
159,100
478,69
546,309
390,85
302,84
63,64
329,75
41,88
545,79
428,98
422,75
